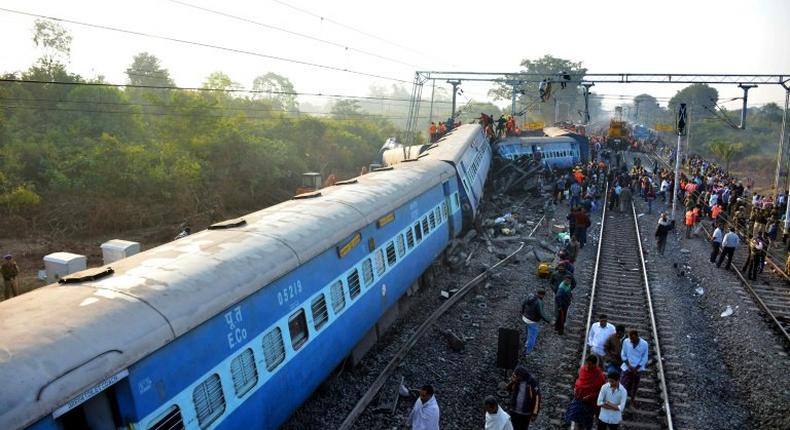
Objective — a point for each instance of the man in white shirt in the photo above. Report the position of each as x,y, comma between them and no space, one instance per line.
664,189
728,245
715,242
598,335
634,355
611,399
496,418
425,414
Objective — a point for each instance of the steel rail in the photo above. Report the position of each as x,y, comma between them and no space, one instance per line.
365,400
769,257
595,275
753,292
659,360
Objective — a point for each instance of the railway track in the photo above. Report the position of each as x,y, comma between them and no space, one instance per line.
769,291
621,289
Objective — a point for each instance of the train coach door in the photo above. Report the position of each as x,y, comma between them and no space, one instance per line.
448,204
95,409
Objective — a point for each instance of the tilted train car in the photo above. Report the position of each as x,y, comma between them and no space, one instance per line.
465,148
232,327
556,152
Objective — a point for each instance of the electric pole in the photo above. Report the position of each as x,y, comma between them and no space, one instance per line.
681,128
455,83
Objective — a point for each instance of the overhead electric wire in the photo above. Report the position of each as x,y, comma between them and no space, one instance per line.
348,27
161,106
294,33
203,89
206,45
329,116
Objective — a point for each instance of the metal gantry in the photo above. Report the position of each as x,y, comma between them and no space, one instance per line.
743,81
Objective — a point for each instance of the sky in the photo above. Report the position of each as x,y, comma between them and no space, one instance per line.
394,39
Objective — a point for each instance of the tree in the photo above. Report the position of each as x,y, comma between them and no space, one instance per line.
276,88
55,42
346,108
645,108
550,67
220,81
725,151
700,100
147,70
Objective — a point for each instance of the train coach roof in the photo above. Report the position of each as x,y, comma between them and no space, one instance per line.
452,146
537,140
63,339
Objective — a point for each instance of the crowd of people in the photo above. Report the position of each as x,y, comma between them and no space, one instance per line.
499,128
737,213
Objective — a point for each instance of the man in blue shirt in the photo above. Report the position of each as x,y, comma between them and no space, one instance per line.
634,355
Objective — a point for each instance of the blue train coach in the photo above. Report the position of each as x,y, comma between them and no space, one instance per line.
557,152
232,327
467,150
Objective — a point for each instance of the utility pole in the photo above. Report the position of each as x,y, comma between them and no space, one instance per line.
513,98
433,91
746,89
455,83
556,110
681,126
587,86
783,142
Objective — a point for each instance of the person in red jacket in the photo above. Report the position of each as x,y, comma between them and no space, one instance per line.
583,409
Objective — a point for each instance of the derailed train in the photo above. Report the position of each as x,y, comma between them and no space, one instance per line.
235,326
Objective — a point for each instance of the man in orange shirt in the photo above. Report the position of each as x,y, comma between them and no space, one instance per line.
690,219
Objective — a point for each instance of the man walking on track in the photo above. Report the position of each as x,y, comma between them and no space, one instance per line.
728,245
715,242
524,398
611,399
634,357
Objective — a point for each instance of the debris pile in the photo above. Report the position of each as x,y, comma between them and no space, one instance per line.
521,175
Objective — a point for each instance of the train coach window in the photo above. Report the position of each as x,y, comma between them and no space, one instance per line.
418,232
409,239
438,214
338,299
391,257
444,210
425,229
457,201
297,328
432,220
320,313
209,401
378,262
243,372
170,420
400,247
367,272
353,284
273,348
